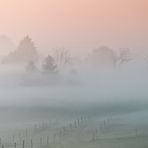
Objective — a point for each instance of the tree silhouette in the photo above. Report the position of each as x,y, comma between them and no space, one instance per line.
62,58
103,56
49,66
25,52
124,56
31,67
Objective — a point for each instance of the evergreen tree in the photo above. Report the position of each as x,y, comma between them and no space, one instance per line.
25,52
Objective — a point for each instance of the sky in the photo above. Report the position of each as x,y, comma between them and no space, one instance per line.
79,25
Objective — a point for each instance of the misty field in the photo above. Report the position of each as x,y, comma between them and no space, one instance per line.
74,74
105,126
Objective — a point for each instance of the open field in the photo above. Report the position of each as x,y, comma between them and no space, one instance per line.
65,127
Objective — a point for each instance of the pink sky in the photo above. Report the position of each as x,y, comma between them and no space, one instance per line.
77,24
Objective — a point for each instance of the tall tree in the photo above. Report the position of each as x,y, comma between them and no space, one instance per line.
25,52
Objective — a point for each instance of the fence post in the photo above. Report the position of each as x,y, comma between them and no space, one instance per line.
23,143
47,140
31,143
15,145
41,142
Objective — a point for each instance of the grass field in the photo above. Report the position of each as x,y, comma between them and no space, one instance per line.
65,127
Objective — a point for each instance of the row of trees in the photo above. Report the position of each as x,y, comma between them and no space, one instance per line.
105,56
53,68
48,67
62,59
61,62
26,52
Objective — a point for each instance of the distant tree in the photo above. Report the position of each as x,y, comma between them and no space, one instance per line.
31,67
62,58
49,66
124,56
25,52
32,75
103,56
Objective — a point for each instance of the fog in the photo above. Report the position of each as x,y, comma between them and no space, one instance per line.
65,100
89,86
73,74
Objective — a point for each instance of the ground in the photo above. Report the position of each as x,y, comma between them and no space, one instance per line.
46,127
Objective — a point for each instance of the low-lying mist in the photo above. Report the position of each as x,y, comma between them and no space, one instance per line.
88,87
64,101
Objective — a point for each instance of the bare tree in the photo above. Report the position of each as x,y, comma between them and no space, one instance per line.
124,56
62,57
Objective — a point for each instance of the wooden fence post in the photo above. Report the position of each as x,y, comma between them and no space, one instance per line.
23,143
47,140
41,142
31,143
